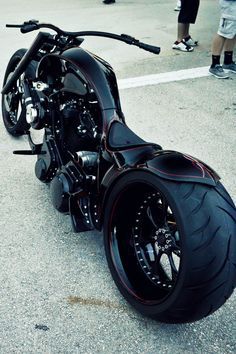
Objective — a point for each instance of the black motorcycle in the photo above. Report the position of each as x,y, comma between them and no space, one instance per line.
169,225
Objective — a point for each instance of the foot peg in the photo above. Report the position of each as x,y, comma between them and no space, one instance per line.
28,152
24,152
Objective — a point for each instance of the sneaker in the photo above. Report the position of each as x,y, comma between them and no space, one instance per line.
218,72
182,46
189,41
107,2
178,6
230,67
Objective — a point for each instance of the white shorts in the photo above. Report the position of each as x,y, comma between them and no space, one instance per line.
227,26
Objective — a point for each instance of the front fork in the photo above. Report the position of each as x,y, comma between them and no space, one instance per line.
35,103
31,53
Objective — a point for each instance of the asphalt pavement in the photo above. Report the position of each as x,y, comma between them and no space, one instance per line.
56,293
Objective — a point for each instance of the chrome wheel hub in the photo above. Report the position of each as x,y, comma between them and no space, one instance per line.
163,240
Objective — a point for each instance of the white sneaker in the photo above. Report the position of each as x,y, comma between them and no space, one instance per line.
182,46
178,6
191,42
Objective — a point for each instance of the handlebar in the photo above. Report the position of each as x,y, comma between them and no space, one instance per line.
149,48
27,26
32,25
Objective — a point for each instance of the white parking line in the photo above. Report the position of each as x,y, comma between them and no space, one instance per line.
156,79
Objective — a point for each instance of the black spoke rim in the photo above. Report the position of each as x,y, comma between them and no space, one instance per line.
160,240
146,253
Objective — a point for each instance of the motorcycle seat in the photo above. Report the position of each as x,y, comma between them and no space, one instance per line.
121,137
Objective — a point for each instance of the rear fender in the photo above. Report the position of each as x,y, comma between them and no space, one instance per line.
168,165
176,166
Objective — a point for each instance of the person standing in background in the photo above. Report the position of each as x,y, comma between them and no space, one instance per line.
225,39
187,15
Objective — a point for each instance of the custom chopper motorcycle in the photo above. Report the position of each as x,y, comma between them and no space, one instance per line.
169,225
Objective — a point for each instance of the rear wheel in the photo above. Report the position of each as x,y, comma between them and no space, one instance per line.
13,107
171,246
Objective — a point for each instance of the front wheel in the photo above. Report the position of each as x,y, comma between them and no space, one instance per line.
171,246
13,107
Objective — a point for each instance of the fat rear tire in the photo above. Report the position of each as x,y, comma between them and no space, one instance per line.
204,240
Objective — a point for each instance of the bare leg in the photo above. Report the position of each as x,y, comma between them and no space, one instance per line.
218,44
229,44
217,47
183,31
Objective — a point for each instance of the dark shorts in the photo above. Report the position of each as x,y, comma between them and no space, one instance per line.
188,12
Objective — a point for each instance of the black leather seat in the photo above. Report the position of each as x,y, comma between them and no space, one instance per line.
121,137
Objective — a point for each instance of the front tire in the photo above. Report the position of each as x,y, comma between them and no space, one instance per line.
171,246
13,107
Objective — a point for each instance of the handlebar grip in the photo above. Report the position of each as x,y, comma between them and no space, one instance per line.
149,48
29,28
13,26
